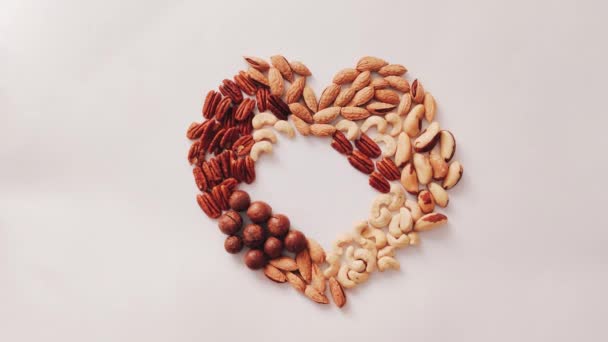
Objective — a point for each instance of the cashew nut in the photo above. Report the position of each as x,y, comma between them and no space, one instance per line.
390,146
349,128
401,241
360,228
393,226
259,148
386,251
414,208
343,279
263,119
367,256
414,238
377,235
395,121
375,120
380,216
358,277
357,265
398,197
405,220
388,262
284,127
265,134
342,240
334,265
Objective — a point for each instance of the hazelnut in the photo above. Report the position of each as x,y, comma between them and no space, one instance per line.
295,241
273,247
253,235
255,259
278,225
239,200
233,244
259,212
230,222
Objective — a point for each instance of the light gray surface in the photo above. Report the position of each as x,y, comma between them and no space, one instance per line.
100,236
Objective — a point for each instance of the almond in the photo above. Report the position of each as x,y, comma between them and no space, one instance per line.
281,63
379,108
344,97
304,265
362,81
379,83
284,263
369,63
392,70
296,281
405,104
322,130
329,95
363,96
326,115
318,279
295,90
345,76
275,80
310,99
387,96
355,113
300,69
274,274
302,127
315,295
317,254
301,112
337,293
257,76
399,83
257,63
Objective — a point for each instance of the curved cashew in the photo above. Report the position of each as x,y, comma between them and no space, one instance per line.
375,120
414,238
390,146
367,256
265,134
405,220
383,218
284,127
349,128
414,208
360,228
388,262
399,242
334,265
341,241
358,277
357,265
393,226
343,279
395,121
386,251
263,119
259,148
377,235
398,197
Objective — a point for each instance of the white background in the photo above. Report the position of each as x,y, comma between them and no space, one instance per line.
101,238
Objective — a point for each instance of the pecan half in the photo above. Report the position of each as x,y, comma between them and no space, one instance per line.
214,145
208,205
242,146
230,89
220,197
195,130
199,178
388,169
378,182
278,107
222,108
209,134
193,153
244,110
341,143
361,162
231,135
211,101
249,170
261,99
367,146
230,184
245,127
244,82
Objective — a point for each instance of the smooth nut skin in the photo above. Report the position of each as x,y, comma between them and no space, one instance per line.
239,200
230,222
233,244
278,225
253,235
255,259
273,247
259,212
295,241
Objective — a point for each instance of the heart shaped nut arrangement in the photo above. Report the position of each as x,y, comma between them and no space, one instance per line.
409,153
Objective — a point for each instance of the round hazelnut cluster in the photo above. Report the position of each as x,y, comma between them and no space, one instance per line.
266,236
